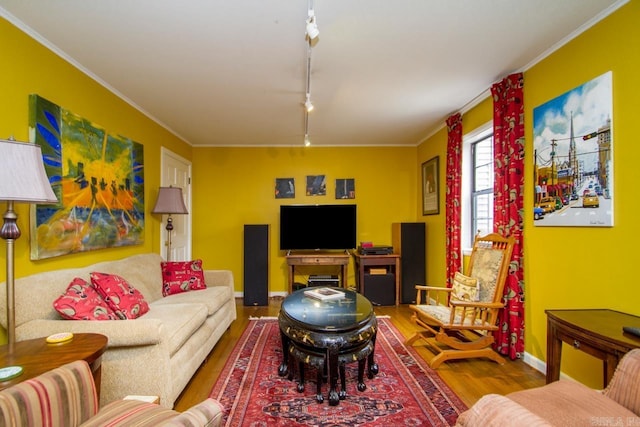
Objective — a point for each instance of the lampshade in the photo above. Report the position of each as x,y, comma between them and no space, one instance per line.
22,174
170,201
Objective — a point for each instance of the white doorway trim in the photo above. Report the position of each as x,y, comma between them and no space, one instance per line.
175,171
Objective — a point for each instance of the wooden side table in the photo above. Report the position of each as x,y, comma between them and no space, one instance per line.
364,263
597,332
36,356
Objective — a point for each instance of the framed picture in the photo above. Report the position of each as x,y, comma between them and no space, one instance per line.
573,157
345,188
316,185
285,188
430,187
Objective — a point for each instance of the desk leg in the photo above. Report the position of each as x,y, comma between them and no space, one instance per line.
554,353
284,368
291,274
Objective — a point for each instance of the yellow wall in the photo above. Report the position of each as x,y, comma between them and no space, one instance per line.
235,186
30,68
579,267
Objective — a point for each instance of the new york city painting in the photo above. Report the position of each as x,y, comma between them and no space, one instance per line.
573,157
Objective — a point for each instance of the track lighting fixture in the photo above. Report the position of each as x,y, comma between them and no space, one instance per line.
312,27
307,141
307,104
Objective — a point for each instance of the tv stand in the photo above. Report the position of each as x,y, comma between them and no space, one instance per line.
320,259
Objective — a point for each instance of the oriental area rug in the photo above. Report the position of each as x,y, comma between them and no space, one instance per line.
405,392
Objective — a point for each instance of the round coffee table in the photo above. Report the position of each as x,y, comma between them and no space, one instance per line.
327,334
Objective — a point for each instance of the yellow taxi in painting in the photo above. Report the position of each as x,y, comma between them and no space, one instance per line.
548,204
590,200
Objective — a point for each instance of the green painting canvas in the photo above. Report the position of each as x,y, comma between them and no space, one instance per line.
98,178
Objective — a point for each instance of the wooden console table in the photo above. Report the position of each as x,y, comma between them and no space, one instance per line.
318,259
597,332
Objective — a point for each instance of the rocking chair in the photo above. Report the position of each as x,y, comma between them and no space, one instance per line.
459,322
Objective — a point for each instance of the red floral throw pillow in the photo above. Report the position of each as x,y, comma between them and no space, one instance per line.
82,302
125,300
182,276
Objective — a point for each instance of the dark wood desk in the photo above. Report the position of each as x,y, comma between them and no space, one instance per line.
36,356
597,332
318,259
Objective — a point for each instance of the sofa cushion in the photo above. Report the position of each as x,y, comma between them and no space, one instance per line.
214,297
568,403
179,322
126,301
182,276
82,302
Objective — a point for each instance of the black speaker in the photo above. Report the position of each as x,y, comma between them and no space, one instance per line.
380,289
409,241
256,264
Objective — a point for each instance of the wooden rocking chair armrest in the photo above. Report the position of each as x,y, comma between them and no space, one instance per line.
432,288
476,304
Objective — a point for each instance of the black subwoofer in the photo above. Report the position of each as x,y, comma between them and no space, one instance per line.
256,264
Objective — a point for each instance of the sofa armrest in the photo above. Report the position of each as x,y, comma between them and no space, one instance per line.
219,278
121,333
206,413
624,387
494,410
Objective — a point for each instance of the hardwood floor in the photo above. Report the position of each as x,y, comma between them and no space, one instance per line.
470,379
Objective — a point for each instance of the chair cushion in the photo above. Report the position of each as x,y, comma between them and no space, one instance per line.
464,288
182,276
486,268
126,301
82,302
442,314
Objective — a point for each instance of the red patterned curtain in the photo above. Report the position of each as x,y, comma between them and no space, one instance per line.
453,195
508,135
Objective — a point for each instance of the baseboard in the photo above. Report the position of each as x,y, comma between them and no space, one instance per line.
541,366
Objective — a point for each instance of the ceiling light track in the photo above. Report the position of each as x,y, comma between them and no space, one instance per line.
311,36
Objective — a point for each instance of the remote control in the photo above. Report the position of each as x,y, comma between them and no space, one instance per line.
633,330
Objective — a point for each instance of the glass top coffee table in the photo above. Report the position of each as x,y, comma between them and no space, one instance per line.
327,334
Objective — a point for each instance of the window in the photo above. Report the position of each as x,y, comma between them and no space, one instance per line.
477,184
482,186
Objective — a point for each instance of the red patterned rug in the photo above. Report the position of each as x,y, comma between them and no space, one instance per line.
406,392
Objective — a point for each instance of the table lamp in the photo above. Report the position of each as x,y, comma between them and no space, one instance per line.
170,202
22,179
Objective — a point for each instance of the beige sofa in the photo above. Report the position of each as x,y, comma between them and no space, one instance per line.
66,397
565,403
155,354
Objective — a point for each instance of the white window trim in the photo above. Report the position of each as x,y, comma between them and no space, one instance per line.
475,135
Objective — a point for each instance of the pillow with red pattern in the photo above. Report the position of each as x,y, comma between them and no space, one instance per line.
182,276
125,300
81,302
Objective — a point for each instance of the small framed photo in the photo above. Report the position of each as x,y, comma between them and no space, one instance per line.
316,185
285,188
346,188
430,187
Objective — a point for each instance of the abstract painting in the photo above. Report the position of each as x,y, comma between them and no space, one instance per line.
98,178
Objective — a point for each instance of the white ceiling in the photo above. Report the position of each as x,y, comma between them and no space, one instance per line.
225,73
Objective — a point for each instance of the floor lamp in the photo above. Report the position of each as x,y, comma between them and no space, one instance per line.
170,202
22,180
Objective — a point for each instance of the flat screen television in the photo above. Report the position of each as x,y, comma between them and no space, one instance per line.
317,227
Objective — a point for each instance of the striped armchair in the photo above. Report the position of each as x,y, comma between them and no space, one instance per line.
66,396
565,403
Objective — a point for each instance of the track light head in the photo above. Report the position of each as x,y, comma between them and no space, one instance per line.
307,104
312,27
307,141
